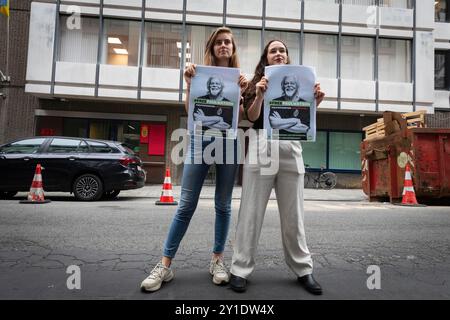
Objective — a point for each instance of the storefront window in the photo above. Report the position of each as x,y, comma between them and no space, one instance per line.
345,150
75,128
342,149
100,129
121,42
129,133
315,153
116,130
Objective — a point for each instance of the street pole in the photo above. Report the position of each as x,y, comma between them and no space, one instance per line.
7,46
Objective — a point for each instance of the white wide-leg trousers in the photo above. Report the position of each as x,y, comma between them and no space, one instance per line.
258,182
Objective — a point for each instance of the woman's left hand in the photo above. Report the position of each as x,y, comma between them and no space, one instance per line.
318,94
243,82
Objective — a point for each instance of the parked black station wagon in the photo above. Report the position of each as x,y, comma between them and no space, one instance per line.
90,169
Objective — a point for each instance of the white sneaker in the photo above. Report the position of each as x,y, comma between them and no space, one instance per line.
159,274
219,271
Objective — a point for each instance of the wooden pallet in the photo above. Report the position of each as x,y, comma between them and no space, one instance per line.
377,130
415,119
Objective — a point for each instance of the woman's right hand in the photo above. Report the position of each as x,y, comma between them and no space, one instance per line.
189,72
261,87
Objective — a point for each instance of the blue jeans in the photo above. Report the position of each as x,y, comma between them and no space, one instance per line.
194,174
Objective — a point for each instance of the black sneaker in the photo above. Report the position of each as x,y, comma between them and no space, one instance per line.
238,284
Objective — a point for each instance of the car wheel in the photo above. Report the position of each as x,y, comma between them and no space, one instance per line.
88,187
110,194
7,194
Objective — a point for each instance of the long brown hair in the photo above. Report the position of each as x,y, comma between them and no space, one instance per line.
250,92
209,58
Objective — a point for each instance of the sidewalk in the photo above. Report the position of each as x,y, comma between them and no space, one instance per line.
154,191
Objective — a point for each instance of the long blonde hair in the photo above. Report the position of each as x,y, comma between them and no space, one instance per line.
209,58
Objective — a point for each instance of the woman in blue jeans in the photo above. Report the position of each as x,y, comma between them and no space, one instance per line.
220,51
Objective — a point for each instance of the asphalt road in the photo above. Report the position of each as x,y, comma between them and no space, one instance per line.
116,243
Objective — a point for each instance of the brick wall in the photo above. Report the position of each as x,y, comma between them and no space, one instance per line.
17,109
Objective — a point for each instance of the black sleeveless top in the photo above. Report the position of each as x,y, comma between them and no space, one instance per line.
258,123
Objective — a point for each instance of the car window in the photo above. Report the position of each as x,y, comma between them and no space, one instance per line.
83,147
23,146
125,149
63,146
99,147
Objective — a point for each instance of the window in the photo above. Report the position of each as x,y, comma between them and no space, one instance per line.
342,148
83,147
121,42
24,146
248,44
442,70
324,1
345,151
102,129
78,45
63,146
197,36
291,39
406,4
321,52
163,45
395,60
126,149
360,2
315,153
357,58
442,10
76,128
98,147
129,133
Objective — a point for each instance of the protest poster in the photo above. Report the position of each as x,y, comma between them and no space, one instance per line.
214,102
289,103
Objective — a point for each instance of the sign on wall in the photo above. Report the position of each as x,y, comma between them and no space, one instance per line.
47,132
156,139
144,133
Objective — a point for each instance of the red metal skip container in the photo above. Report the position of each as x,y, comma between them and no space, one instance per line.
383,164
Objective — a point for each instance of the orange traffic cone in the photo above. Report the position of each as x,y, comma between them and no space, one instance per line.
409,196
166,194
36,194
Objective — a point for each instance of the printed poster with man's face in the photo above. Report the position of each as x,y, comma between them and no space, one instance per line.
214,102
289,103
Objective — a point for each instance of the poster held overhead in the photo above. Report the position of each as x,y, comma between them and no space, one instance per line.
289,103
214,102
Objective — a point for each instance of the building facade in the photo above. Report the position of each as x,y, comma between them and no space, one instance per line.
109,68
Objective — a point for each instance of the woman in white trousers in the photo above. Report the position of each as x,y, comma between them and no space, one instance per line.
285,172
